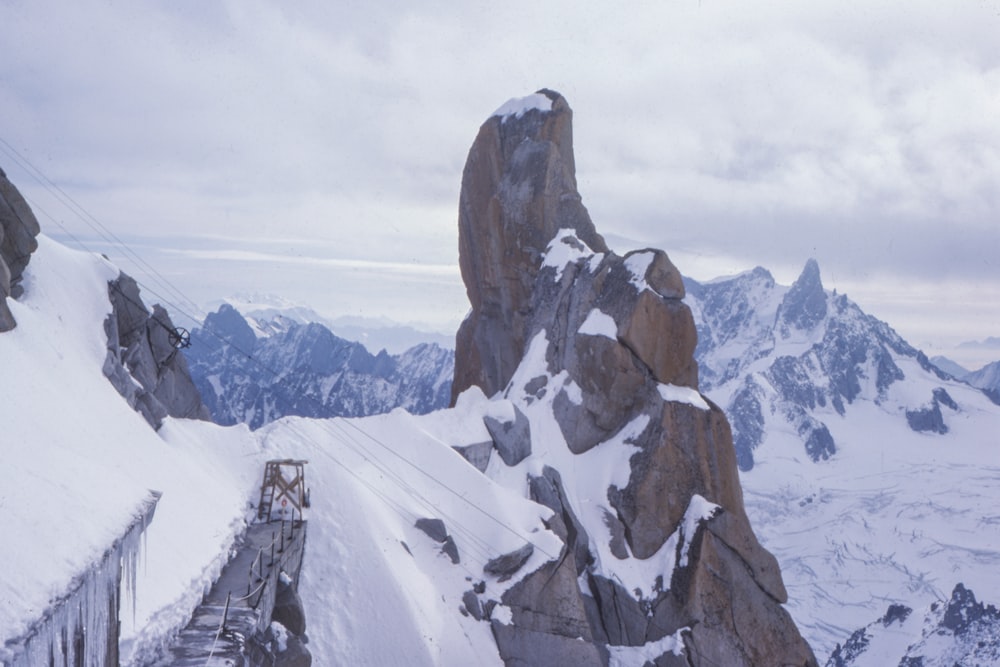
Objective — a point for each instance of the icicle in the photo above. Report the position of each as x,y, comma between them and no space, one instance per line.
78,627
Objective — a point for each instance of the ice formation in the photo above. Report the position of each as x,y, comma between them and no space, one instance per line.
81,627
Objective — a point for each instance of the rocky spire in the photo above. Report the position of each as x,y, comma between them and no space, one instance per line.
804,306
18,229
602,346
518,189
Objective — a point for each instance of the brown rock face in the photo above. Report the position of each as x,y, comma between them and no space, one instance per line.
618,367
518,189
18,229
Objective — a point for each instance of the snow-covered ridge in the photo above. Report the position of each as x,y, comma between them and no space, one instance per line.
368,482
72,484
955,631
270,314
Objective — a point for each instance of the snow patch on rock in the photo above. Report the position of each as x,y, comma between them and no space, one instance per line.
675,394
565,248
518,106
638,265
599,324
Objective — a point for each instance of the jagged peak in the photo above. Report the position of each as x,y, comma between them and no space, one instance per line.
804,306
810,274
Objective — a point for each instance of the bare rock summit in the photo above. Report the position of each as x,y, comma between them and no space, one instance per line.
518,190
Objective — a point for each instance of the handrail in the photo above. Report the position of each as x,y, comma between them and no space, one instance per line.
222,628
258,563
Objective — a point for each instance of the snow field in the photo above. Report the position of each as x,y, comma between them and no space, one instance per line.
894,517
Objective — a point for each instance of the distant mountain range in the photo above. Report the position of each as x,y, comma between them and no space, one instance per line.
802,356
870,472
268,313
254,371
986,378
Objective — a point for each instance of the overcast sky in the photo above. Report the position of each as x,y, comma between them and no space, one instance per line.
314,149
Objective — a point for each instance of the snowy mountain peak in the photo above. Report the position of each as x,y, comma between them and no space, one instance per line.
801,356
950,367
869,472
226,325
805,303
987,378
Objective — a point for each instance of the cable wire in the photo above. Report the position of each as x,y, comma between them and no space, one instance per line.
326,425
109,236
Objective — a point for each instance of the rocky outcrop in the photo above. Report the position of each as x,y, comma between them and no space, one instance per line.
518,190
804,306
603,346
930,419
143,361
18,229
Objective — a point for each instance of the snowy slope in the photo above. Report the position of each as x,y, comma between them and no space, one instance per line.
72,484
79,463
368,569
871,477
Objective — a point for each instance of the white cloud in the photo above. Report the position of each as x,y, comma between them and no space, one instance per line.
766,132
